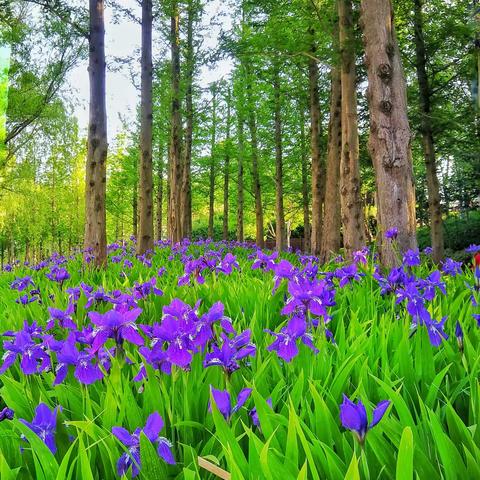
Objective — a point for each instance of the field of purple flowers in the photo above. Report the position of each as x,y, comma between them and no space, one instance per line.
214,360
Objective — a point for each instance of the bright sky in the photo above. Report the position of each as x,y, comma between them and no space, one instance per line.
123,40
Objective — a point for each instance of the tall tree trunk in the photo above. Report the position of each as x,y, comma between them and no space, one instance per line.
331,238
211,191
389,141
160,194
433,186
305,182
186,206
145,236
226,173
175,175
97,145
252,124
240,192
350,195
280,230
135,200
315,133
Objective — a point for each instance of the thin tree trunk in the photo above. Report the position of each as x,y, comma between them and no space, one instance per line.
252,124
389,141
160,194
175,176
211,194
240,192
305,182
145,237
350,195
433,186
317,173
95,178
186,206
226,178
331,239
135,200
280,229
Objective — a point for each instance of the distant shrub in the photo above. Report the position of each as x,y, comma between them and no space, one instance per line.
459,233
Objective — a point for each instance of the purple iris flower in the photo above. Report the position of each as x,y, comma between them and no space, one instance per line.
283,270
58,274
396,278
428,251
435,330
157,358
34,359
231,352
73,294
44,425
143,290
20,284
391,233
6,414
451,267
354,417
86,371
177,328
360,256
264,261
204,325
429,285
347,274
228,264
411,258
285,344
459,335
472,248
194,269
312,296
94,297
25,299
131,458
415,302
117,324
223,401
63,317
476,316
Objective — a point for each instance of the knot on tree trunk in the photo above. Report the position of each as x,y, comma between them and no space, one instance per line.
390,162
384,71
386,107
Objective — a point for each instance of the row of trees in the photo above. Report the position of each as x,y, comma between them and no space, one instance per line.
287,129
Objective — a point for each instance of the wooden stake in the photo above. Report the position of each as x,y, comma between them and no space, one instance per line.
212,468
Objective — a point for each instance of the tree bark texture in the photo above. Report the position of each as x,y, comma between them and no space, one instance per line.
186,206
226,172
257,191
240,187
95,179
331,237
350,195
211,190
280,229
389,142
145,234
317,168
175,176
